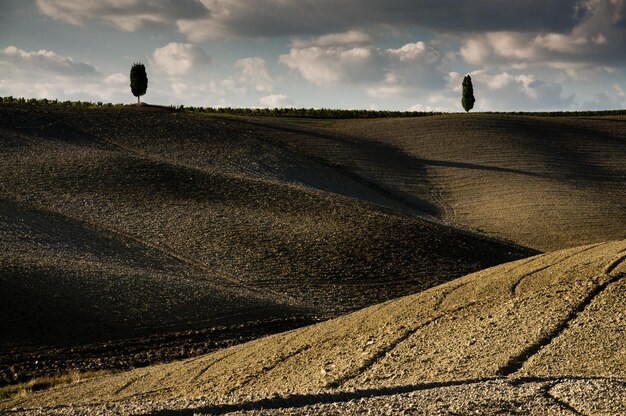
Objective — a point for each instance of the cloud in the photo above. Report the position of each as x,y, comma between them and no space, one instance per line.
276,101
436,102
270,18
384,91
384,72
176,59
95,90
607,100
596,41
128,15
603,101
213,19
47,74
44,61
117,79
327,66
189,86
352,37
254,71
512,92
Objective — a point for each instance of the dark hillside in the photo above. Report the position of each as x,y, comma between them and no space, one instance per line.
119,224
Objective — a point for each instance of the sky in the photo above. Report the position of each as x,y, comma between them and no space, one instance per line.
522,55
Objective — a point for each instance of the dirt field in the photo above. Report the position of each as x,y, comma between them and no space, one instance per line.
134,236
131,237
543,182
546,331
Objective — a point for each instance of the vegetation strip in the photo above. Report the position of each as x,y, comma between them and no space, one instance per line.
328,113
44,383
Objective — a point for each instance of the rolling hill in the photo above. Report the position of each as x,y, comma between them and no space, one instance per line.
543,334
543,182
130,237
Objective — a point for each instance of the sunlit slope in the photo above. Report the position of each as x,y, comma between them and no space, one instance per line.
552,315
547,183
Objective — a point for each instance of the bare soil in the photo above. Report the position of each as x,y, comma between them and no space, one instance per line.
546,183
129,237
497,333
134,236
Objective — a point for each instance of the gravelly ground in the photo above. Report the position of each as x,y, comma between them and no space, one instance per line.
561,396
494,338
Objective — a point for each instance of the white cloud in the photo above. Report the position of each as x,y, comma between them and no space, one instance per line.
415,51
385,91
351,37
47,74
475,51
63,89
44,60
562,43
604,101
507,92
176,59
597,41
117,78
435,103
254,71
231,85
327,66
276,101
384,72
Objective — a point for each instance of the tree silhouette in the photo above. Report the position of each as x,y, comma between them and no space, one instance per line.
467,96
138,80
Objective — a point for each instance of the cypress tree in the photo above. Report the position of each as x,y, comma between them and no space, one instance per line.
138,80
467,96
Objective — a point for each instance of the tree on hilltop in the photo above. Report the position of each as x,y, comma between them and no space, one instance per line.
467,96
138,80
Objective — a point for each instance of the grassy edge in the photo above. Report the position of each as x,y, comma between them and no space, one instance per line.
44,383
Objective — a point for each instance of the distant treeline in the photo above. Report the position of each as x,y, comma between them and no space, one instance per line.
303,112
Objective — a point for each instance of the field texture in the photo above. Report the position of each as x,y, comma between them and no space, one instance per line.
129,237
544,334
543,182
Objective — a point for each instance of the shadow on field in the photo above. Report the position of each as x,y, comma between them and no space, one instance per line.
475,166
330,148
567,147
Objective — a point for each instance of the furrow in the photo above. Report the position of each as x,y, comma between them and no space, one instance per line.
516,284
613,265
266,369
381,353
562,404
298,400
209,366
516,362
